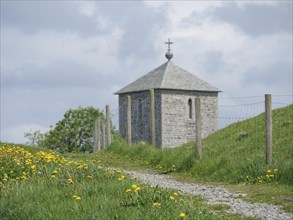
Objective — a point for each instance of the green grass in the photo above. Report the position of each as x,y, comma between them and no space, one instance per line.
44,185
229,155
233,156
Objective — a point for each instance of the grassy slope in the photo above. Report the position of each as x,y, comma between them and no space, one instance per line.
229,155
234,155
45,186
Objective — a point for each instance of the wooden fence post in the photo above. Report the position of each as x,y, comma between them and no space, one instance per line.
198,148
108,125
103,136
99,132
129,120
269,128
97,135
152,111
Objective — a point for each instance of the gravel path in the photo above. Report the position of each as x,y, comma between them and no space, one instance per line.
215,195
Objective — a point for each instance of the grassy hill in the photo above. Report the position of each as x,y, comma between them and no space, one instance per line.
233,154
79,185
45,185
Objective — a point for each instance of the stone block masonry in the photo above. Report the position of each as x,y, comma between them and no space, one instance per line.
175,124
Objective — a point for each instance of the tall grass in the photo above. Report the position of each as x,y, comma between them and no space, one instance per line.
234,154
44,185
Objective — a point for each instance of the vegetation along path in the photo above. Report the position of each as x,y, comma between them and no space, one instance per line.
215,195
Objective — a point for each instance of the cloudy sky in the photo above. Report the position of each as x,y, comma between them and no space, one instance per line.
57,55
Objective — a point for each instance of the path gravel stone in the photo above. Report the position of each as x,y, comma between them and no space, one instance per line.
215,195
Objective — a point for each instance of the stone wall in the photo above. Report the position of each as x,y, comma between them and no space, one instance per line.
140,116
174,127
177,127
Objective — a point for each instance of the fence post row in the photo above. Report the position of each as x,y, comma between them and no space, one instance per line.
198,148
97,134
103,136
129,120
101,142
108,124
152,111
269,128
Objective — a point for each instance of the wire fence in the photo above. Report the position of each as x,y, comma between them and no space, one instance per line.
244,132
241,126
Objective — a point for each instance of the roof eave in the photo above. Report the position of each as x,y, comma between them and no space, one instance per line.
190,90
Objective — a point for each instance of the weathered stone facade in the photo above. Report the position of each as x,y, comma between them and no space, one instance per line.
177,125
174,107
174,126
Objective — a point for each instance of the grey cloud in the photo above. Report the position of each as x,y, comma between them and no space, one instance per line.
33,16
56,75
213,61
45,106
257,19
278,75
140,27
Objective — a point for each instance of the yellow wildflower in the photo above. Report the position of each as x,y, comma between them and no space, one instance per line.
128,190
137,189
70,181
182,215
121,178
134,186
79,167
156,204
76,197
175,194
89,177
172,198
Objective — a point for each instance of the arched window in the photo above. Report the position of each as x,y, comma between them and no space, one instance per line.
190,108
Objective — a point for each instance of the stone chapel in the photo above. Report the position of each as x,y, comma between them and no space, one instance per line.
175,90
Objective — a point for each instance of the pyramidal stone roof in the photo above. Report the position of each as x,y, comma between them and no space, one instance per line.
168,76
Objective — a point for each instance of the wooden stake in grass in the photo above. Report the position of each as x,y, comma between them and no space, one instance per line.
129,120
108,125
152,109
97,134
198,128
103,135
269,128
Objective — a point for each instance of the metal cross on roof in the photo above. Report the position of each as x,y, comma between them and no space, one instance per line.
169,42
169,54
